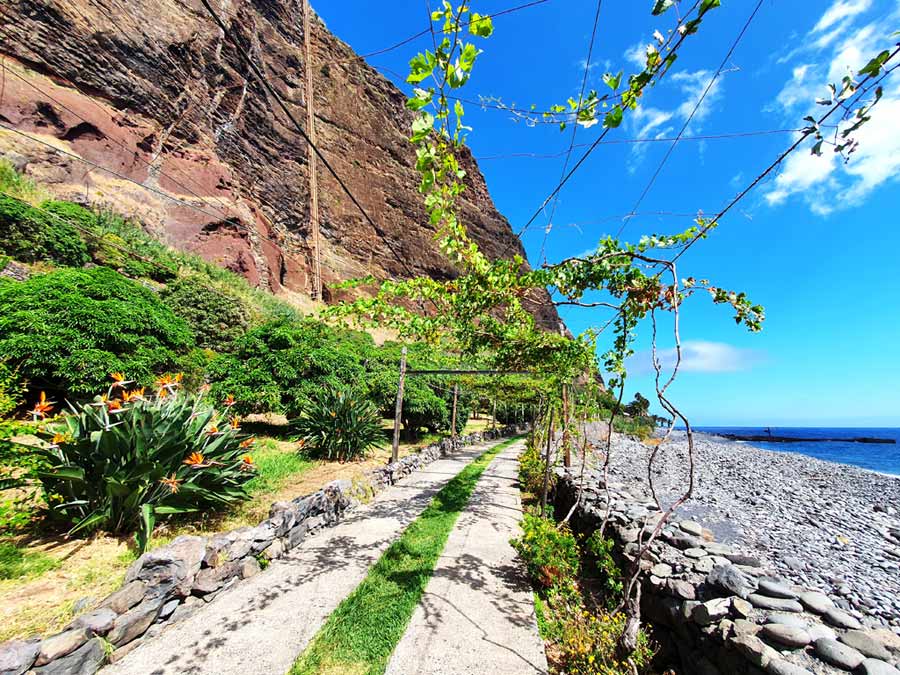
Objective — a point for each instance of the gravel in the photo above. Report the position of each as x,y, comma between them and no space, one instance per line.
826,526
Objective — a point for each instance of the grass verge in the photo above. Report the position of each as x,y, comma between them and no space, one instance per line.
361,633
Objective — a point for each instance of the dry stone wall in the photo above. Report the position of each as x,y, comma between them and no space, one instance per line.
171,582
718,610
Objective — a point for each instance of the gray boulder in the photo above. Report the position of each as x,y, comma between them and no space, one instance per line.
86,660
16,656
731,580
170,569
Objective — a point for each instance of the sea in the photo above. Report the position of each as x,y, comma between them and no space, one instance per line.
884,458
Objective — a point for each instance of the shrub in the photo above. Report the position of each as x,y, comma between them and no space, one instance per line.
338,424
600,550
216,316
531,470
117,463
19,465
67,330
281,365
17,185
29,234
12,389
549,550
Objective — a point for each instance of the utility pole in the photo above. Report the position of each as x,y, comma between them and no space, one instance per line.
453,421
398,410
316,290
567,449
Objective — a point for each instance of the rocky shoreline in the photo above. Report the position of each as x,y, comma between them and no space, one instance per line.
826,526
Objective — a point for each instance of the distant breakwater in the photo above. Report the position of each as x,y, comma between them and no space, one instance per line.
767,438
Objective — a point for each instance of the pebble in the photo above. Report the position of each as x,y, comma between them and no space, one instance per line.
842,656
817,631
789,636
815,601
842,620
704,565
661,570
876,667
741,607
695,553
781,667
691,527
861,642
786,620
730,579
779,604
775,589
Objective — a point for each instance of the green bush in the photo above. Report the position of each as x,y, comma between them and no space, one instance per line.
531,470
12,389
549,550
66,331
15,184
116,464
338,424
29,234
600,549
281,365
217,317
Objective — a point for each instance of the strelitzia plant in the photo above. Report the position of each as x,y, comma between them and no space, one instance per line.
119,462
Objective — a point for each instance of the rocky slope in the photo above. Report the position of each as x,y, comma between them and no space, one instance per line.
151,92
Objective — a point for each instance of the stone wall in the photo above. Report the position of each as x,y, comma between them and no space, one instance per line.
718,610
173,581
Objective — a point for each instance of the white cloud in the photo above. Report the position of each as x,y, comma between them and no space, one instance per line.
637,54
839,10
692,85
699,356
827,184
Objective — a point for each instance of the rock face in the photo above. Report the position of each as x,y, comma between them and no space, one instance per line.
168,103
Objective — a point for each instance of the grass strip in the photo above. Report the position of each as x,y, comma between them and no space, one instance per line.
360,635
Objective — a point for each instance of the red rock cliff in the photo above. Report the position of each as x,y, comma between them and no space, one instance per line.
151,92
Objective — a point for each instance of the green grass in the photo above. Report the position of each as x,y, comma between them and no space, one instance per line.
275,466
361,633
16,563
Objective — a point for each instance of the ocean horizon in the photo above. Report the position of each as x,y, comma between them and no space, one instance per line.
880,457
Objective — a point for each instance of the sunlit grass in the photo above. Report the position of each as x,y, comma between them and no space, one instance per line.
361,633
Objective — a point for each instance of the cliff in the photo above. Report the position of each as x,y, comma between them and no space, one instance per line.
149,91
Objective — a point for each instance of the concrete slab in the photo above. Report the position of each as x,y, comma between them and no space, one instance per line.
264,623
477,614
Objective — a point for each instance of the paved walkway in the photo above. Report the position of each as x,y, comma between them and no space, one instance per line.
264,623
477,614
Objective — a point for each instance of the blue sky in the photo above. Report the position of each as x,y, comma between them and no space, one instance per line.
818,244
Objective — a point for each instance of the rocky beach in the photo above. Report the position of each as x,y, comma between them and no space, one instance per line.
825,526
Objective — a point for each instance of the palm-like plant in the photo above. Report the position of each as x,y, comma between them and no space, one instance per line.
338,424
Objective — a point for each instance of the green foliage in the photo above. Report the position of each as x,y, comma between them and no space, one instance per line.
117,464
600,549
66,331
549,550
17,563
29,234
12,389
19,465
531,470
217,317
282,364
14,184
338,424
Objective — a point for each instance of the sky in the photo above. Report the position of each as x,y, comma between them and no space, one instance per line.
817,243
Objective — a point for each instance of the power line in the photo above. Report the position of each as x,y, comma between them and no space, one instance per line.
426,31
635,141
584,79
244,56
840,104
690,117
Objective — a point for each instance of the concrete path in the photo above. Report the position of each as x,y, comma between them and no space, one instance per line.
477,614
264,623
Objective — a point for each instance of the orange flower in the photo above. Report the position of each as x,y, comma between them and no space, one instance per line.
163,381
235,422
213,430
113,405
162,393
247,463
171,482
118,379
333,413
229,401
59,438
43,406
247,442
178,378
195,459
131,396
